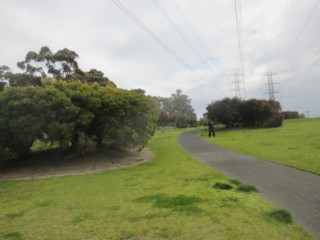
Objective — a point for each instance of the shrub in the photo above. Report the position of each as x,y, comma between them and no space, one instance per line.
74,114
253,112
247,188
275,121
235,182
281,215
290,114
222,186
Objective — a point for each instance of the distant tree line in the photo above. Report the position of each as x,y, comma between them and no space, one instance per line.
47,103
292,115
176,111
250,113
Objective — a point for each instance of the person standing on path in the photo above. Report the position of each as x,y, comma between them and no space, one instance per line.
211,128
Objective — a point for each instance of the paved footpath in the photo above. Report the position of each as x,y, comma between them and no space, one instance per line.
294,190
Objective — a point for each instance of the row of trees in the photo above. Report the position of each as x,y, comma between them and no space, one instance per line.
75,115
292,115
53,100
252,113
176,111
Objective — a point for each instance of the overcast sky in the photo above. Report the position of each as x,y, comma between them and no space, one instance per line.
194,45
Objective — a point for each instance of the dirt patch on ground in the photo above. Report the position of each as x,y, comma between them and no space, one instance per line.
43,166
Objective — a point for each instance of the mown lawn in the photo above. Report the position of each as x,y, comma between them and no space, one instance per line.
171,197
296,144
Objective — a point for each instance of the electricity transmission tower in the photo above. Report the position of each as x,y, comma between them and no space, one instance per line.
271,92
238,88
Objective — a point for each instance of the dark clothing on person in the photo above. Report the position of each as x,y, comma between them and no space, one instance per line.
211,128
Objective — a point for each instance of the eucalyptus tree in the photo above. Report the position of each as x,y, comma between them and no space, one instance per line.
176,110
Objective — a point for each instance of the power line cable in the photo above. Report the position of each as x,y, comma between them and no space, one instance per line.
156,38
310,48
153,35
238,32
241,29
183,37
299,34
304,67
242,44
176,28
201,44
282,29
238,14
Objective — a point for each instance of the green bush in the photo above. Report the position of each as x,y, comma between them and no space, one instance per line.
253,112
247,188
222,186
74,114
281,215
30,113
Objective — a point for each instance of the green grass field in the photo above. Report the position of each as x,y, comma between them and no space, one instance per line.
296,144
171,197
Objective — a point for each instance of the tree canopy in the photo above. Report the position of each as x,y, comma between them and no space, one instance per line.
61,65
75,115
176,110
252,112
54,101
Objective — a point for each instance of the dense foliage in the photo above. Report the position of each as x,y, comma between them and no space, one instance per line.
75,115
54,101
176,111
292,115
252,113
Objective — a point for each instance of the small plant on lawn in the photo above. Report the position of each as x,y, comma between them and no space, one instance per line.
235,182
243,187
165,201
180,200
247,188
281,215
13,236
222,186
180,203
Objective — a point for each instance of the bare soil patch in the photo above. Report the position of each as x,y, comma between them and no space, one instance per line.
51,164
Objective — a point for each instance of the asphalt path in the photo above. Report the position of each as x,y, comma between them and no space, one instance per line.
293,190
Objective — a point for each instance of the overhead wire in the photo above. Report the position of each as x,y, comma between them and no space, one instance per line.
176,28
194,33
237,13
307,64
317,39
123,8
304,67
238,18
298,35
242,44
154,36
282,29
241,33
182,35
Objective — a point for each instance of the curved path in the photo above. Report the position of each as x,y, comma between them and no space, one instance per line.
288,188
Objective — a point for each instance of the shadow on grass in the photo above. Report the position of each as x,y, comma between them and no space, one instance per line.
12,236
222,186
247,188
11,216
240,187
180,203
243,187
281,215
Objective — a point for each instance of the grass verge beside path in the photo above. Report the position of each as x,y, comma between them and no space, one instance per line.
296,144
171,197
